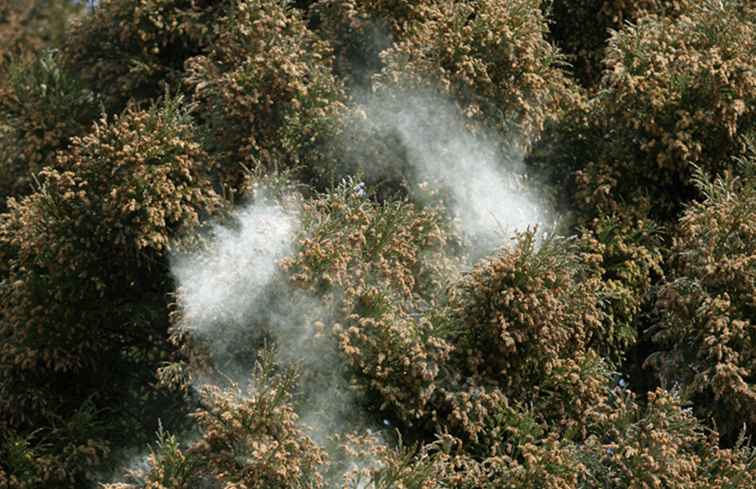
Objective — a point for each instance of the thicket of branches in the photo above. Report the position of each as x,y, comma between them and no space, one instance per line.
618,352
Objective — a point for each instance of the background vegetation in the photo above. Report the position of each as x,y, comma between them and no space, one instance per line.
619,350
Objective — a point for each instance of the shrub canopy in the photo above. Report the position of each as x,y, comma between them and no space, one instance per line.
266,90
708,306
677,91
365,335
490,56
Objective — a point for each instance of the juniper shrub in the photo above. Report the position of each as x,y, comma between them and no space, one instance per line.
131,50
267,92
43,106
84,271
27,26
360,30
581,28
490,56
247,439
630,259
707,306
676,91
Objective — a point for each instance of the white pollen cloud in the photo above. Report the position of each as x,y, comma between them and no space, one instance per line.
224,283
487,189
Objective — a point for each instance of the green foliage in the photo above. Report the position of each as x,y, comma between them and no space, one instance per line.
525,321
676,91
413,348
84,268
382,265
243,436
581,28
360,29
27,26
675,94
629,257
659,444
171,467
494,305
247,439
267,92
490,56
94,233
130,50
353,243
500,373
707,306
44,107
65,454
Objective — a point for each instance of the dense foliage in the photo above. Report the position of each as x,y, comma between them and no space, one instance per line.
266,90
707,303
29,25
43,108
224,264
581,27
491,56
132,50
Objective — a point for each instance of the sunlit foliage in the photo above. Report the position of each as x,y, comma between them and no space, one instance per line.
375,345
490,56
708,306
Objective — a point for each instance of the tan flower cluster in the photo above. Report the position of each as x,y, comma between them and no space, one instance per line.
708,305
133,49
382,265
267,91
581,28
256,443
352,242
493,374
639,445
91,240
360,29
42,106
27,26
526,308
490,56
629,257
676,91
248,439
453,354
